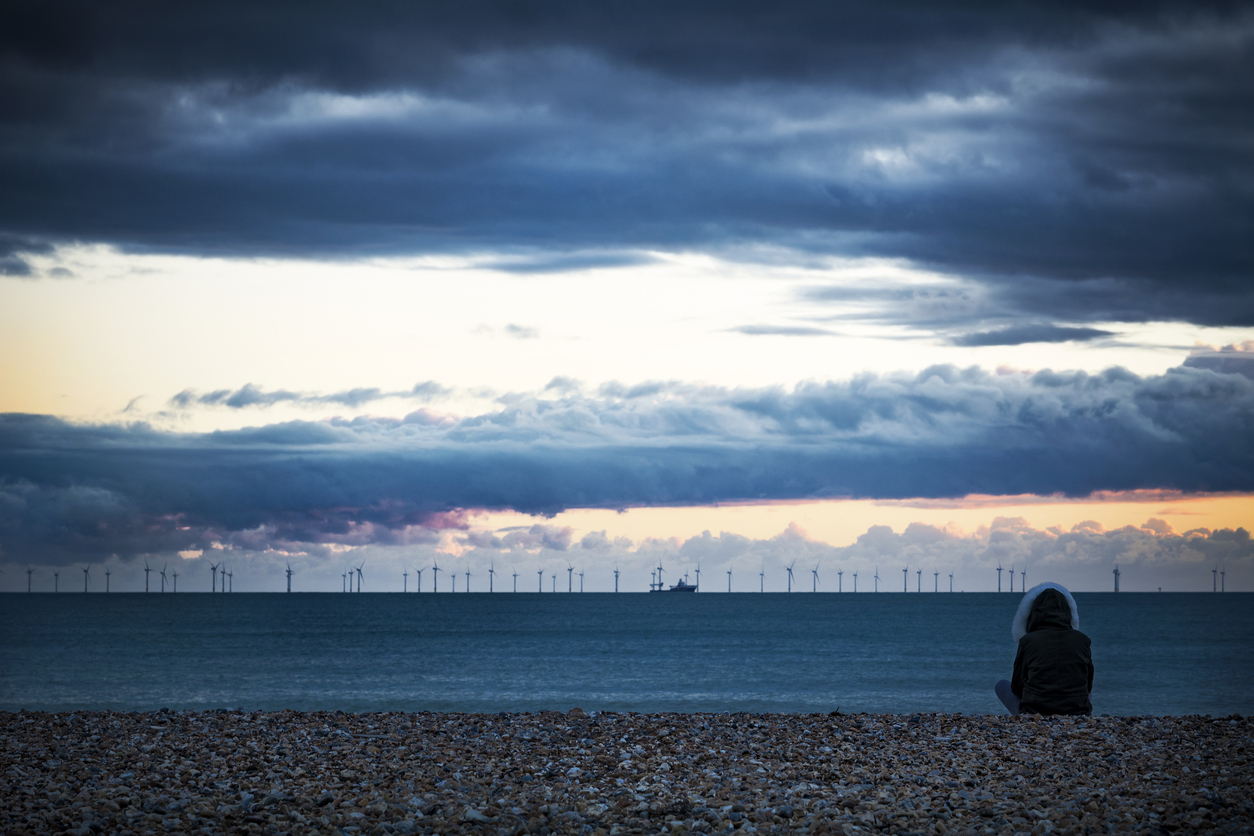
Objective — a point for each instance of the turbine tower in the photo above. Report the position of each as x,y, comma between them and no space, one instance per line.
1214,579
56,582
919,585
729,580
163,568
467,580
176,581
1012,578
616,579
289,577
146,571
404,582
418,572
108,572
698,575
659,576
555,581
343,586
515,580
213,581
435,578
855,581
905,578
28,571
359,577
877,579
453,575
999,577
86,572
540,588
1221,579
570,578
840,580
762,580
581,580
491,575
936,581
231,575
1116,577
1023,580
951,581
790,565
815,573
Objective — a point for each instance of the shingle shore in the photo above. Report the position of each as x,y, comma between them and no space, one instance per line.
548,772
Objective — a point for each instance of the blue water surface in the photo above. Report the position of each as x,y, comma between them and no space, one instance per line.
1170,653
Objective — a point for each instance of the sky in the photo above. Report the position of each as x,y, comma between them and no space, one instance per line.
538,287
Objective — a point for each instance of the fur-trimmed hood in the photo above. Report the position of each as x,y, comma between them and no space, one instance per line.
1019,627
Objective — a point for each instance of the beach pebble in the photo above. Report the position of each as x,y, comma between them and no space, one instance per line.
605,773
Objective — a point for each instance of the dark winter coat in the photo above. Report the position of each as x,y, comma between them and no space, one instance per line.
1053,671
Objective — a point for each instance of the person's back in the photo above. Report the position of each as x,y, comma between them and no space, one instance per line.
1053,669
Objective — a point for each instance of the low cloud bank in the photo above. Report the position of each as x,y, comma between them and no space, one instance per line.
72,492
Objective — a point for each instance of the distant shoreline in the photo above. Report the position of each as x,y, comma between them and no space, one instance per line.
551,772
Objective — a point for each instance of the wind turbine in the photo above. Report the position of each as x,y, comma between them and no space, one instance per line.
698,575
951,581
729,580
840,580
289,577
213,582
163,568
1221,579
1023,581
467,580
109,572
515,580
56,582
146,571
404,582
1116,577
581,580
877,579
540,585
1012,578
815,572
659,576
616,579
762,580
85,575
790,565
1214,579
453,575
936,581
418,572
359,577
343,586
176,581
555,581
435,578
28,571
919,585
491,575
570,578
905,575
999,577
231,575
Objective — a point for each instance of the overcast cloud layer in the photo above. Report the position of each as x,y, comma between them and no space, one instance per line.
1078,163
70,492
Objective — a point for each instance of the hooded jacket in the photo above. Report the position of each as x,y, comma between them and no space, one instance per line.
1053,671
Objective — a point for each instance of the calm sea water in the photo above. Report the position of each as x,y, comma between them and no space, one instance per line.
1154,653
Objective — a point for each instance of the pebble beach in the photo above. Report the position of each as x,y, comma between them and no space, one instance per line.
610,773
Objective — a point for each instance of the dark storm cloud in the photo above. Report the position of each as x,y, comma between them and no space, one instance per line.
1031,334
1082,163
72,491
251,395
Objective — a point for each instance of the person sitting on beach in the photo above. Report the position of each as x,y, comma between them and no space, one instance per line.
1053,672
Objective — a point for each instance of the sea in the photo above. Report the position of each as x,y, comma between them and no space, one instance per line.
1154,653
